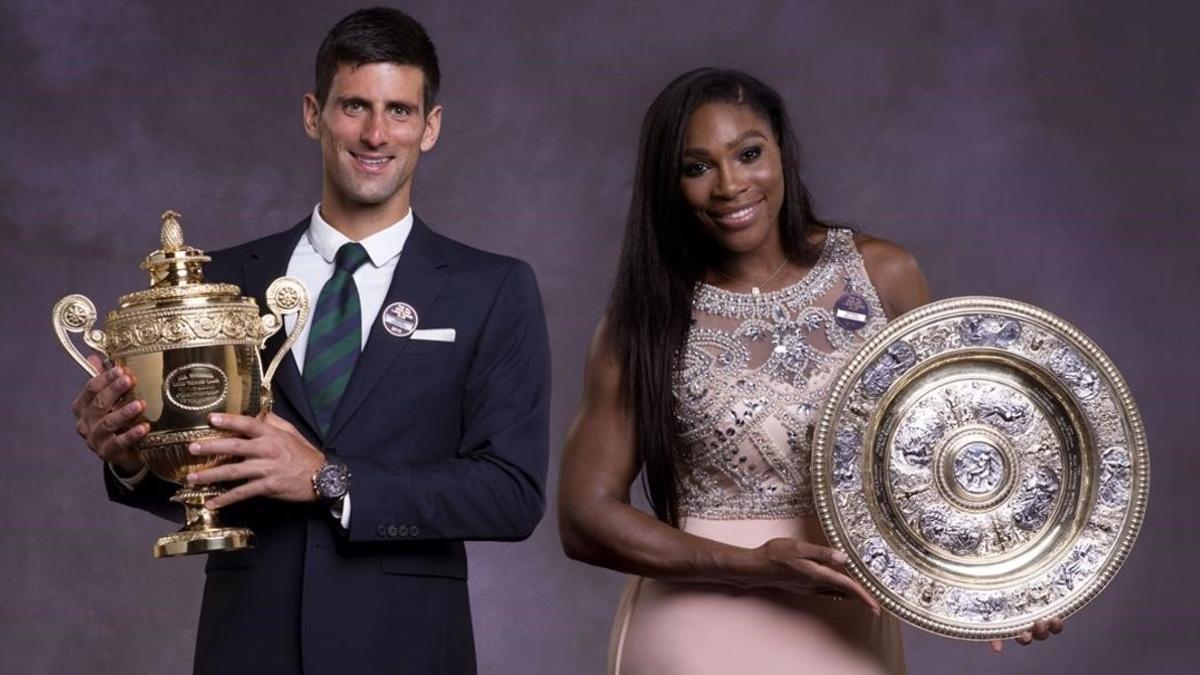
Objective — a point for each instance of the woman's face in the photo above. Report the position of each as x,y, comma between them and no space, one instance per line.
732,176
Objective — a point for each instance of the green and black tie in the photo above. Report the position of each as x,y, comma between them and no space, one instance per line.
335,339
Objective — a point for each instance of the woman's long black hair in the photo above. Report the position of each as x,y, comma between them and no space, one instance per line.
665,254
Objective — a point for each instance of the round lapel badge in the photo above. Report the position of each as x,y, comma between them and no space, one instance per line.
400,319
851,311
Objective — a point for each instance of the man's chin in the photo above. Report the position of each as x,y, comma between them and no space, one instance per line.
368,198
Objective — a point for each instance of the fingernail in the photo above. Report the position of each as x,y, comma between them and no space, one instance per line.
132,407
194,448
839,557
216,418
191,478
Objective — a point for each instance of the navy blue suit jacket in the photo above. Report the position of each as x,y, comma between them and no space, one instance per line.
445,442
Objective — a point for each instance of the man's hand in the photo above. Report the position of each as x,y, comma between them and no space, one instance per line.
1039,631
276,461
106,430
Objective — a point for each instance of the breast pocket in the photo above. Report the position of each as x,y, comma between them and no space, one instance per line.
429,349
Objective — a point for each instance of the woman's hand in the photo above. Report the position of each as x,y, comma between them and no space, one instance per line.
1040,630
807,569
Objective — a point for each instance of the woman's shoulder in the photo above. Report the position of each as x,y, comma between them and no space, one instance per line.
894,272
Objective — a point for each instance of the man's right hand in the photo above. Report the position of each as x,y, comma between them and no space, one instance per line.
107,430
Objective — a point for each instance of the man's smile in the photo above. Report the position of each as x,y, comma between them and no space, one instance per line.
371,163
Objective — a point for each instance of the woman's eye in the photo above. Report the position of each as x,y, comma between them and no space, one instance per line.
751,154
693,169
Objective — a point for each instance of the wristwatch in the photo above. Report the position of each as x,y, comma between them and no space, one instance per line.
331,482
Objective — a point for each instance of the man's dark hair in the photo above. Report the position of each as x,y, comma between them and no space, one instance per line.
378,35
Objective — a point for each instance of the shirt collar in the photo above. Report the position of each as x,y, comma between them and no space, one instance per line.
381,246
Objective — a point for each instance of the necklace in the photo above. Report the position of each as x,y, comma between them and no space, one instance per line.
754,287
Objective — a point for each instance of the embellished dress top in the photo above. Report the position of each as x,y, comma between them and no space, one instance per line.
754,376
749,387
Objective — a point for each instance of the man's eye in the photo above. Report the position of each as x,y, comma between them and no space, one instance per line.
750,154
401,111
693,169
352,107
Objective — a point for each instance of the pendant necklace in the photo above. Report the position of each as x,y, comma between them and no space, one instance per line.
755,289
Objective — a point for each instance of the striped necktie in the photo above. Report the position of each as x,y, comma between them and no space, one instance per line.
335,339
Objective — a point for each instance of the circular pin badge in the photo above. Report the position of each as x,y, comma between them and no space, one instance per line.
851,311
400,319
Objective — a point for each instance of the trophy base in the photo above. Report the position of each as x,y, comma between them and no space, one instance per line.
188,542
202,533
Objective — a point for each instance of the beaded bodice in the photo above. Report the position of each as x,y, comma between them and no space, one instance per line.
753,376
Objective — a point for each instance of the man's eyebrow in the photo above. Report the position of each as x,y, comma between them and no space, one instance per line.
750,133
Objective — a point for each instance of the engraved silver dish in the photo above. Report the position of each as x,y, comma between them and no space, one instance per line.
983,465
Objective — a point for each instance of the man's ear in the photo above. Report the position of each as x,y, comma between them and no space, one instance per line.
433,127
312,114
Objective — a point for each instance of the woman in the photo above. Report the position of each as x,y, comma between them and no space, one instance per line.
733,310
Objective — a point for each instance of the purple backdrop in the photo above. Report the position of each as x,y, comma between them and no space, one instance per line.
1045,151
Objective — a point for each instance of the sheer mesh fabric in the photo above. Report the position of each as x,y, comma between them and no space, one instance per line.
753,377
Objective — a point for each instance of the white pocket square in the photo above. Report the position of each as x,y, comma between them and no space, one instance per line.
434,334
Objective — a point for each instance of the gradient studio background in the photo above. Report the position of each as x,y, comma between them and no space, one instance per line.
1045,151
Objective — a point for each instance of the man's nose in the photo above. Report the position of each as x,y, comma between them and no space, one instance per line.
372,132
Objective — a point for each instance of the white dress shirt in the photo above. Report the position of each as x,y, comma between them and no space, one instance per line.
312,262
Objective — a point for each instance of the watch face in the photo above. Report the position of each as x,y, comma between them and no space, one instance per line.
333,480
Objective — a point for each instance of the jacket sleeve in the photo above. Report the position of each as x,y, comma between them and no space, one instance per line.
494,486
151,494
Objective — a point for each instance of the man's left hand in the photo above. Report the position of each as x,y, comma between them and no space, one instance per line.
1040,630
276,461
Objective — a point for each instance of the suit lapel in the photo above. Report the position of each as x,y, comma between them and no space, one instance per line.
420,274
268,262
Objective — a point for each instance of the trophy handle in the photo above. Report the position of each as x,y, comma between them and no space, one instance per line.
285,295
76,314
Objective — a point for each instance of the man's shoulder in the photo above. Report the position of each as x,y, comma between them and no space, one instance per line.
470,260
270,242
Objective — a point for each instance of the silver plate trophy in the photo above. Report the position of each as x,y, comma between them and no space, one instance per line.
983,465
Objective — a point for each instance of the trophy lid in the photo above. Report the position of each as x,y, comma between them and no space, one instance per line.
176,273
175,264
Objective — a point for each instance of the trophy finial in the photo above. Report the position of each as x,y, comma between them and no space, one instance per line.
172,232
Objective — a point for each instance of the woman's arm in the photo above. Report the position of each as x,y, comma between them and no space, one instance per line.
598,525
894,273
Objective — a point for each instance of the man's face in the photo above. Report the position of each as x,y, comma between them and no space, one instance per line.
372,130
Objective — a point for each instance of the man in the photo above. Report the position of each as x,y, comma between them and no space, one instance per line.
438,425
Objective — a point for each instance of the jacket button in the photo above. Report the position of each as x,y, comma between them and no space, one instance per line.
404,530
381,530
392,531
413,531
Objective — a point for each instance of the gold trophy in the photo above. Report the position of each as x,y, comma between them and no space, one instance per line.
194,348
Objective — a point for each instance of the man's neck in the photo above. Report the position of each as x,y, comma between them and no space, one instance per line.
359,221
